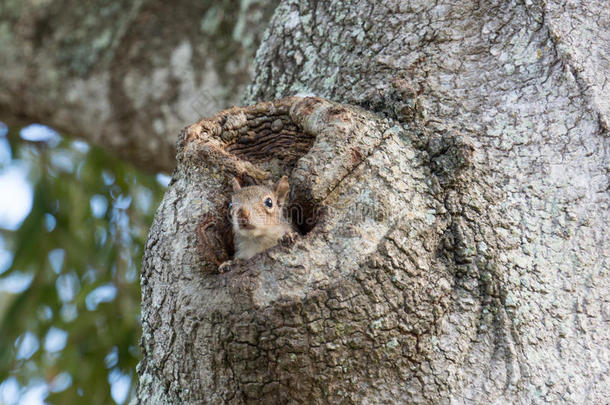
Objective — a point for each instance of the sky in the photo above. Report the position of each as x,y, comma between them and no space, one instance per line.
15,189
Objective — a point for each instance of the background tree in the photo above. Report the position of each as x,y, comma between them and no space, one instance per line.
483,277
127,75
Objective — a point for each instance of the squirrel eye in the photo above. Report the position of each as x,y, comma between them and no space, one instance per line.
268,202
230,205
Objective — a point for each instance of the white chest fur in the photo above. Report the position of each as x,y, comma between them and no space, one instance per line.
247,246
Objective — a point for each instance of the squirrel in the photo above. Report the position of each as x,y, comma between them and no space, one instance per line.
257,218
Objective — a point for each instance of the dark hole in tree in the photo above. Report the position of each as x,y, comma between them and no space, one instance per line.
228,232
273,143
303,213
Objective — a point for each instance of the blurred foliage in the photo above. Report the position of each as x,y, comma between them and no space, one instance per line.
81,245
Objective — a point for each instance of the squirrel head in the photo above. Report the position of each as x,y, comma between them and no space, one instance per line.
257,210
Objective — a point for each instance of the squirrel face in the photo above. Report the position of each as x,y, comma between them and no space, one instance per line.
256,211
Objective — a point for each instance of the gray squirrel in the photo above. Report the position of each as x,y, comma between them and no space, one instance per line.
257,219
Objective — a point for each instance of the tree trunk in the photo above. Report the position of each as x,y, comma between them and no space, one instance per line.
454,223
126,75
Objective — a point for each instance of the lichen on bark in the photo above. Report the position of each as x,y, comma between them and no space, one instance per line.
479,274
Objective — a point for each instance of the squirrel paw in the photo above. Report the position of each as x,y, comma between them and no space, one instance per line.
289,238
226,266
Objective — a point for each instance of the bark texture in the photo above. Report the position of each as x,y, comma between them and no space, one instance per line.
457,244
126,75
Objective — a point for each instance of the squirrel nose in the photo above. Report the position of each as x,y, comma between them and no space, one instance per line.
242,217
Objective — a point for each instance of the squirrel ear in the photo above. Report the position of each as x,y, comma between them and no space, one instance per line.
281,190
247,180
236,186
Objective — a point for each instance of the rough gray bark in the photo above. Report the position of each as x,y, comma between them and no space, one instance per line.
126,75
459,253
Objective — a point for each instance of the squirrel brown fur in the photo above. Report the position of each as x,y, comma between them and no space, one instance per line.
257,217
